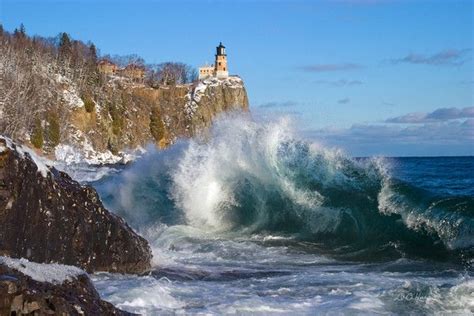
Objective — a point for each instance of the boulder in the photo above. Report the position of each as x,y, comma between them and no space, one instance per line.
28,288
46,216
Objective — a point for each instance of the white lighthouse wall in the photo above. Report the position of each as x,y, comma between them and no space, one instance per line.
220,74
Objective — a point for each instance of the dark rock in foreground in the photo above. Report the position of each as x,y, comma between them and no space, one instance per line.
46,216
69,292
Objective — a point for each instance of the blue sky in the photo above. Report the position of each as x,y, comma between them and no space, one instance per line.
344,68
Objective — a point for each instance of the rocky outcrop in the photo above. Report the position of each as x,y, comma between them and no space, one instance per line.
127,116
212,97
69,292
46,216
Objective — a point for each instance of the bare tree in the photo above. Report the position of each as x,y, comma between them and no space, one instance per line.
28,70
33,71
170,73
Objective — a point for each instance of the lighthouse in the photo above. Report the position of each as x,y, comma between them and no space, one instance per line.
220,65
219,69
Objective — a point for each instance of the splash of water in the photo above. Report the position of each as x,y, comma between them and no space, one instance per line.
250,177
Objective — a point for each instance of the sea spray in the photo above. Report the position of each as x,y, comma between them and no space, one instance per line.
255,220
252,177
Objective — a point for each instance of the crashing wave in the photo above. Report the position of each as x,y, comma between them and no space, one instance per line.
250,177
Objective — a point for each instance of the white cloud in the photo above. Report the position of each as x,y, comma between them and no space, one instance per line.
441,114
451,137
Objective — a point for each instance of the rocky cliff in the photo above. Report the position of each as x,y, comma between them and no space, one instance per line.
125,116
46,216
129,116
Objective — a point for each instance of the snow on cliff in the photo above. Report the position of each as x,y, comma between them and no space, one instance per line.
83,152
73,155
69,93
195,95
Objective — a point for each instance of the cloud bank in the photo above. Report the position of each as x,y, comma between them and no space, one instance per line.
330,67
275,104
339,83
441,114
443,132
448,57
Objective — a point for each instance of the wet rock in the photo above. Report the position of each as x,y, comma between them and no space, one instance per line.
20,294
46,216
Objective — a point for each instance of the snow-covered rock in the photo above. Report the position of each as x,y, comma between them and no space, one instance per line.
43,165
72,99
194,96
69,94
86,154
29,288
52,273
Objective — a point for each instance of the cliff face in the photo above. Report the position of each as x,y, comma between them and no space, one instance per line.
213,97
128,116
46,216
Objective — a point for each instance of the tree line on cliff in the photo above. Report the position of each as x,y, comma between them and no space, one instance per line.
30,66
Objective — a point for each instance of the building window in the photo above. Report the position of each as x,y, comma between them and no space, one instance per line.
219,63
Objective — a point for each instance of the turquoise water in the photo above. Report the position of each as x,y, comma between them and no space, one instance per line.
256,220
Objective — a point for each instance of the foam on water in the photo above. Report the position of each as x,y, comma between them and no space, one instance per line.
224,277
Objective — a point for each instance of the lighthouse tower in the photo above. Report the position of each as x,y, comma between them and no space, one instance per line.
220,67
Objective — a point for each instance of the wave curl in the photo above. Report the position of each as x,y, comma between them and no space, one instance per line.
250,177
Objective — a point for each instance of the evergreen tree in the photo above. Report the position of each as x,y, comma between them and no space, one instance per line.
93,72
54,131
37,135
22,30
20,33
89,104
93,53
65,46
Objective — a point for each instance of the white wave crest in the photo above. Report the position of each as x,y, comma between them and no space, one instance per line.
209,173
